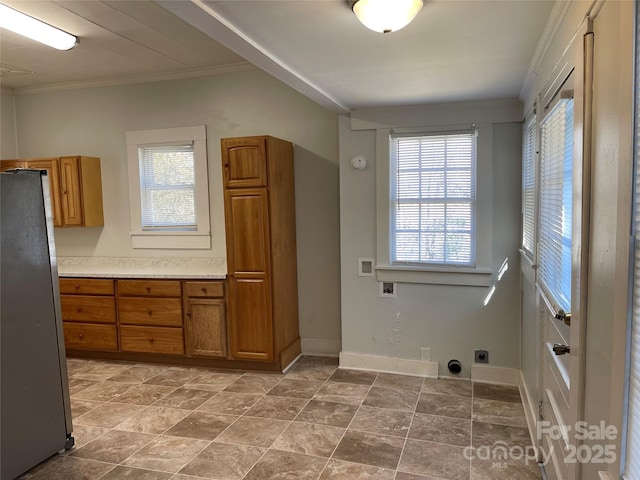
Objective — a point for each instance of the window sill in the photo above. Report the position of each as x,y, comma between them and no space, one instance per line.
470,277
171,240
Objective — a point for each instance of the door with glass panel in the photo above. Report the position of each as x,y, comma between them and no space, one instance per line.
562,248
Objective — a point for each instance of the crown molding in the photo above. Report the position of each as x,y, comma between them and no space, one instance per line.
556,17
133,79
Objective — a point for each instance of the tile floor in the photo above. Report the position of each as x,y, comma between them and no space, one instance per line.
151,422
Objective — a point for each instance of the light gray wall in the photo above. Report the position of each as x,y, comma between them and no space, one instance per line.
8,147
93,121
451,320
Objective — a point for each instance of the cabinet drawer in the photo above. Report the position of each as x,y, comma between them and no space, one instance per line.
149,288
90,337
86,286
204,289
151,311
152,340
80,308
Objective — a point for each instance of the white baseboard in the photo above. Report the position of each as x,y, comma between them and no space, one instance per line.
530,410
401,366
498,375
320,346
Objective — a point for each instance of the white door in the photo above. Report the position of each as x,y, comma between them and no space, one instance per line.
563,229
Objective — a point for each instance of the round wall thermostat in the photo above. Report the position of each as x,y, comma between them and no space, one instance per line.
359,162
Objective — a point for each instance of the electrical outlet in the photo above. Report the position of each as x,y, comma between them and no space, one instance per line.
482,356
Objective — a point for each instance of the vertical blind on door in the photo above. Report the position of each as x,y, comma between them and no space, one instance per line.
433,196
167,187
554,237
632,454
529,186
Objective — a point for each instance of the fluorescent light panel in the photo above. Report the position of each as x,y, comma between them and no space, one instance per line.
29,27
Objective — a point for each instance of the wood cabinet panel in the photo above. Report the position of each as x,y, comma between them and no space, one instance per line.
204,289
244,162
151,288
150,311
91,286
247,217
83,336
205,328
250,322
80,308
75,185
152,340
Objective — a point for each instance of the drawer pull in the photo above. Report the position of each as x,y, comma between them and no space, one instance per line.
79,310
81,336
148,289
149,311
76,286
150,340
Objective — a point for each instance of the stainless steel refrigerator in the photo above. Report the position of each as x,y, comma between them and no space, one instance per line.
35,414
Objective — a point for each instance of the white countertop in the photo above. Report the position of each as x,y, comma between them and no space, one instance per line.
143,267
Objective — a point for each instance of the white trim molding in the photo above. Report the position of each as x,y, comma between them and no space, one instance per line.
496,375
320,346
401,366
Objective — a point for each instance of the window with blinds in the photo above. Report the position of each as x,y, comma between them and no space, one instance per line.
433,197
529,186
632,450
167,187
554,232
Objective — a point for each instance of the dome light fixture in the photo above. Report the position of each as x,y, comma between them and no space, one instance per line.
386,16
34,29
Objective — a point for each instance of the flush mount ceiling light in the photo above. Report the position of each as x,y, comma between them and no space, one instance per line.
386,16
29,27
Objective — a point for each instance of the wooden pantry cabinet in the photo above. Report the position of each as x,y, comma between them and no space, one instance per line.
75,187
261,249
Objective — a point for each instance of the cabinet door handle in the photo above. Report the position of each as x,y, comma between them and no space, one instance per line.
188,313
149,312
148,289
81,336
204,290
79,310
150,340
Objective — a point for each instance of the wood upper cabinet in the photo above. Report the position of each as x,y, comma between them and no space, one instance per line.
244,162
261,249
205,322
75,187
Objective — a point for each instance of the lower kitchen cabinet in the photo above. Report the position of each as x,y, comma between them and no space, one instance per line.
152,339
86,336
205,320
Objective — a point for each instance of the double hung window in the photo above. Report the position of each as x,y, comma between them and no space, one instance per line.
433,199
554,237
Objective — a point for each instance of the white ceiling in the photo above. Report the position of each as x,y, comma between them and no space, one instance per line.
454,50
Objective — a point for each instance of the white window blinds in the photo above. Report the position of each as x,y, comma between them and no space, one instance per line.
167,187
433,195
554,238
632,451
529,186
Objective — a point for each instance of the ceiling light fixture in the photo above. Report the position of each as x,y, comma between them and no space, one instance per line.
29,27
386,16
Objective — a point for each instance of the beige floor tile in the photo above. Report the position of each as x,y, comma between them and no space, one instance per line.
327,413
229,403
253,384
448,406
339,470
449,430
202,425
166,454
128,473
103,391
295,388
400,382
370,449
153,420
447,386
144,394
342,393
434,459
382,421
276,465
114,446
70,468
259,432
185,398
280,408
392,399
502,393
222,461
353,376
108,415
309,438
494,411
311,371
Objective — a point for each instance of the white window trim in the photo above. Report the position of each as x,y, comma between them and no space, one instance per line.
478,276
188,240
